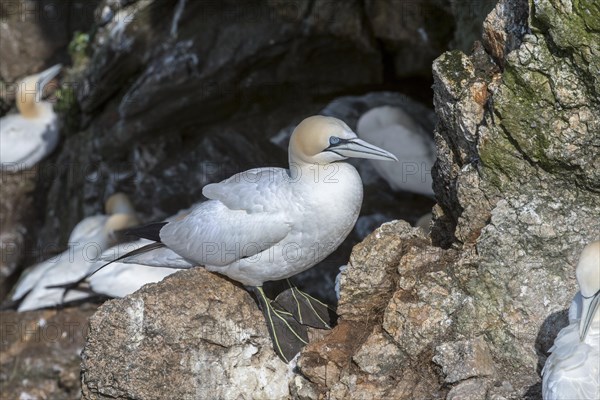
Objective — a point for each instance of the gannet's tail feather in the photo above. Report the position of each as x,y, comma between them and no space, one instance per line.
149,231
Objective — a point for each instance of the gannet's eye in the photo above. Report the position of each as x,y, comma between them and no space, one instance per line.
333,140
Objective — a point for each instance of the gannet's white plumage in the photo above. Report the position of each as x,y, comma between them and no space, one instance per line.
87,228
32,134
271,223
395,130
87,241
572,371
119,279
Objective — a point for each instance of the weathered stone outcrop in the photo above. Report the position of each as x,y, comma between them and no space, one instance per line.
518,193
194,336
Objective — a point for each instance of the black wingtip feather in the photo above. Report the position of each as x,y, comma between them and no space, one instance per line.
149,231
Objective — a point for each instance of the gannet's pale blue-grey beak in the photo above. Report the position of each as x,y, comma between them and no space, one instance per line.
358,148
44,78
588,311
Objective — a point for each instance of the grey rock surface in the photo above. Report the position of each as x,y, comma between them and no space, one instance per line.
464,359
472,389
194,336
378,350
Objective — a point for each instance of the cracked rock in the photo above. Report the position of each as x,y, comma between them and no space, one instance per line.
194,336
464,359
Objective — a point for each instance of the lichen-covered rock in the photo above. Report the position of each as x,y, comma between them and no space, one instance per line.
523,203
504,28
517,186
193,336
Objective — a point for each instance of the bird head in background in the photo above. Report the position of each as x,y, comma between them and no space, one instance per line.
30,91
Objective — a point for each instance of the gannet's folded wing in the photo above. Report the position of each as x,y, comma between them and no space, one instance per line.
255,190
68,266
38,276
31,277
213,234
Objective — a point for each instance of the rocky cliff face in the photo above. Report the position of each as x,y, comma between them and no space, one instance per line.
160,109
518,199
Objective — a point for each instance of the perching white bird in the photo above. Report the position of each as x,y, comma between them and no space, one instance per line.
88,240
395,130
32,134
271,223
572,371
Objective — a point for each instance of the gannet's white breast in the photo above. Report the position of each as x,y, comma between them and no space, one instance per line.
263,225
25,141
120,279
393,129
572,371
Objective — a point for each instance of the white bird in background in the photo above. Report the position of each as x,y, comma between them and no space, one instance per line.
32,134
393,129
269,224
120,279
88,240
572,371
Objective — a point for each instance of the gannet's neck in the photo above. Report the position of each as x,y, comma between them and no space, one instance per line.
315,172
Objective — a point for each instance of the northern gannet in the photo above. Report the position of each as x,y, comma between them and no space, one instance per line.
395,130
32,134
572,371
269,224
87,241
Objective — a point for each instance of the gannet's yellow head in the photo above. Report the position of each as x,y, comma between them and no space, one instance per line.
323,140
588,278
30,90
119,203
122,214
